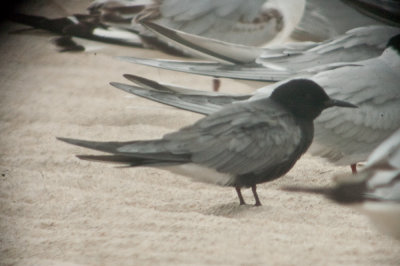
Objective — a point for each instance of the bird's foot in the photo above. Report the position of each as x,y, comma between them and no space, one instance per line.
239,193
258,202
216,84
354,168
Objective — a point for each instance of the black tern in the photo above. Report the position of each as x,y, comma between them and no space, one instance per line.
241,145
374,191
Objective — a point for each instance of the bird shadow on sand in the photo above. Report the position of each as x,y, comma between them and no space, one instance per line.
234,210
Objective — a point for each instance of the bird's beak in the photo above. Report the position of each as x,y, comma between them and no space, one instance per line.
334,102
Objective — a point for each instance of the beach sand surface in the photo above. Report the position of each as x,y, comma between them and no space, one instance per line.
58,210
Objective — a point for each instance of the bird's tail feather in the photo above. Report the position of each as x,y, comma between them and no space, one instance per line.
153,85
126,161
133,152
110,147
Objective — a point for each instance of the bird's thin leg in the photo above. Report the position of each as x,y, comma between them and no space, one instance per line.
239,193
254,189
354,168
216,84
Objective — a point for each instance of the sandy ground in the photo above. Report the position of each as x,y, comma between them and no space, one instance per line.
57,210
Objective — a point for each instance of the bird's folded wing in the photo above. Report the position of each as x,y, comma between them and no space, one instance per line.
166,87
240,139
204,47
202,104
132,152
254,72
355,45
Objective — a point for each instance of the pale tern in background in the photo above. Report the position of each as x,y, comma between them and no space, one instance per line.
375,191
341,136
275,63
241,145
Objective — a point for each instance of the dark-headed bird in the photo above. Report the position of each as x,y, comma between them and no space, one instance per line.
241,145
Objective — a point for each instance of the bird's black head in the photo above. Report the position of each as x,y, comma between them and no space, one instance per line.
394,43
305,98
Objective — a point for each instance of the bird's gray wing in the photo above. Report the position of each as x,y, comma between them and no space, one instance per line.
131,153
245,72
348,137
281,63
240,138
253,72
204,47
202,104
237,140
153,85
355,45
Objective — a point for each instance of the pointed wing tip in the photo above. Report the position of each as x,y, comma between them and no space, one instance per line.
81,143
82,157
77,142
86,157
67,140
124,87
133,78
145,83
118,85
